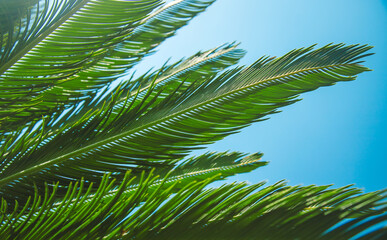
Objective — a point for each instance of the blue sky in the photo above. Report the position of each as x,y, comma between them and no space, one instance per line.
336,135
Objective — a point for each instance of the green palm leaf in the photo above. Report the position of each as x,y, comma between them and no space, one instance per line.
199,66
180,123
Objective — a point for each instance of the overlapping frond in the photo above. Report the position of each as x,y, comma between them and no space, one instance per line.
202,66
141,137
233,211
89,44
210,165
45,69
195,69
207,167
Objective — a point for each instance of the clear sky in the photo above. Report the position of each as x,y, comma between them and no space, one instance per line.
336,134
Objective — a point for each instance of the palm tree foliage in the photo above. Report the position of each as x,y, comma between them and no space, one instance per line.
82,158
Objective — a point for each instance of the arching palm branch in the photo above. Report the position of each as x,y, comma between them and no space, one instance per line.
82,158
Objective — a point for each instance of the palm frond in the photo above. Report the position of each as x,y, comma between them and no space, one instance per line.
180,123
200,66
233,211
87,51
208,167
